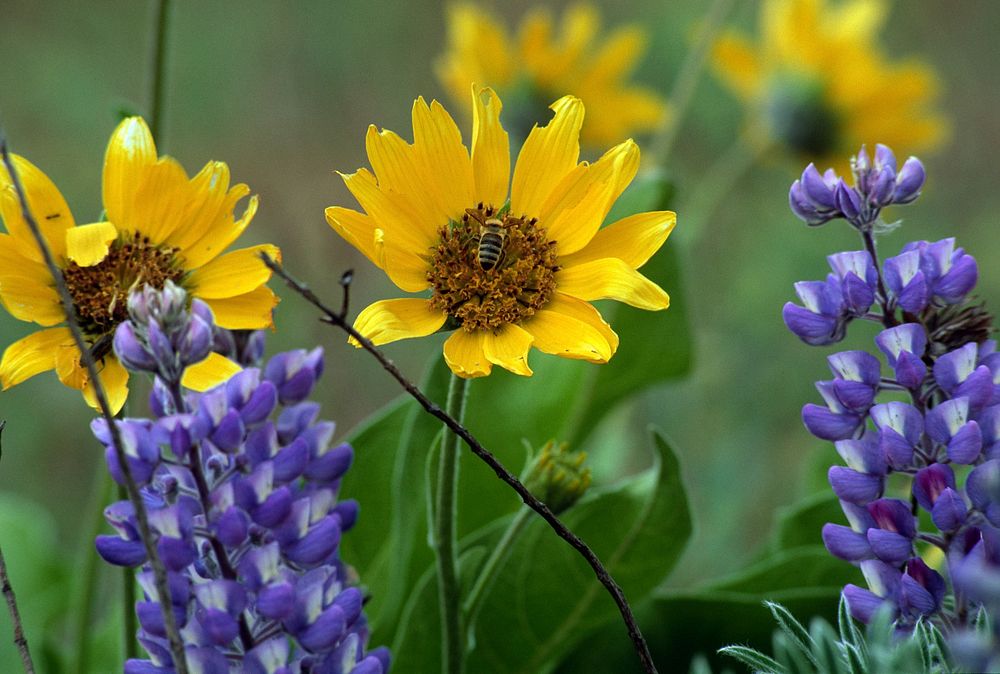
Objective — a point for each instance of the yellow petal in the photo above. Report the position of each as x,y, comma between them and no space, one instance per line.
208,203
114,380
32,355
389,320
548,154
490,148
508,348
13,261
130,150
738,64
162,204
585,313
235,273
46,204
88,244
445,163
613,279
217,230
249,311
535,39
30,298
573,217
618,55
407,270
633,240
209,373
463,352
396,168
565,336
392,214
358,229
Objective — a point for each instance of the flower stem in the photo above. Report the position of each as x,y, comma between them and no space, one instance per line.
687,79
129,624
446,536
487,576
158,69
20,641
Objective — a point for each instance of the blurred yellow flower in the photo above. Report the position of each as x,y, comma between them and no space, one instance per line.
159,225
819,83
541,63
505,277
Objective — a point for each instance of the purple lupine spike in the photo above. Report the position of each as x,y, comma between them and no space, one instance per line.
949,511
899,426
855,487
958,374
858,278
930,482
904,347
983,489
847,544
892,537
884,158
921,589
907,282
847,200
271,515
949,424
989,423
863,455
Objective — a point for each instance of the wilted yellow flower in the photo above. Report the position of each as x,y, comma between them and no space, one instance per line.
159,226
819,83
506,276
542,63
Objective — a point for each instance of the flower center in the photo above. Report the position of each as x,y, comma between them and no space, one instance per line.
492,269
100,292
801,118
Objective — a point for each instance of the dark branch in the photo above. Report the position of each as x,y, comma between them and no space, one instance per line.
87,358
15,616
339,320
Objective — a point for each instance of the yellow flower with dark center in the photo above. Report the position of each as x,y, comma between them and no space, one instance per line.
820,85
541,63
506,274
160,225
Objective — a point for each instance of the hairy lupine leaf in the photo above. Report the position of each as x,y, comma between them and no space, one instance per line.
655,346
826,651
793,629
801,523
791,654
755,660
855,661
849,632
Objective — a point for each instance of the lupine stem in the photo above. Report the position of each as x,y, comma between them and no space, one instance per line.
687,79
129,624
446,536
491,568
87,358
888,317
339,320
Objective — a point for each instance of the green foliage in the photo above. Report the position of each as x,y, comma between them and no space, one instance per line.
546,598
822,650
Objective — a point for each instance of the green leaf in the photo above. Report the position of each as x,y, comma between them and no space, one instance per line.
41,578
793,630
802,523
546,598
826,651
804,567
755,660
789,653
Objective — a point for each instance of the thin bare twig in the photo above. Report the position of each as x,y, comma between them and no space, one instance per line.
15,616
339,319
159,572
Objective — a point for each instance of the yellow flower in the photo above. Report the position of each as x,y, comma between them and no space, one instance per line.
506,277
542,66
821,86
159,225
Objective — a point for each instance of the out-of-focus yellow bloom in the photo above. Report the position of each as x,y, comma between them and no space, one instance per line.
542,63
505,277
160,225
819,83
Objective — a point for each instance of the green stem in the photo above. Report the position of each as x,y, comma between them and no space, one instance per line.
158,70
687,79
488,575
103,493
446,536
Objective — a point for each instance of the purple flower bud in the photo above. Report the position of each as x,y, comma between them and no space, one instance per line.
983,489
949,510
858,278
845,543
909,181
930,483
907,282
864,455
804,209
854,487
196,342
882,187
989,424
817,190
119,551
130,351
921,588
899,427
848,202
884,158
811,328
276,600
892,538
318,544
862,603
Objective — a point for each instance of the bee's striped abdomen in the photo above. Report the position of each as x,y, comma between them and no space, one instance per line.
490,249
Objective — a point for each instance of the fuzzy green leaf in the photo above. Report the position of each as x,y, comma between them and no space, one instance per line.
755,660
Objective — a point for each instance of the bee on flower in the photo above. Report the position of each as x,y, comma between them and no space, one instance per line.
818,83
159,226
507,263
543,61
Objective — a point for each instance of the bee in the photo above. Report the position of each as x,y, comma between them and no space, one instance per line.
102,347
492,234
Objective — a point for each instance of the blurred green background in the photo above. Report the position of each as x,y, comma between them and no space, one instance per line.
284,92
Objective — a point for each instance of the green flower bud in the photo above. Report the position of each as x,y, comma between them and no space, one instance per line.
558,476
